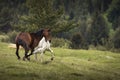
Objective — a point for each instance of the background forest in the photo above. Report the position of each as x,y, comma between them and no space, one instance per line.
74,23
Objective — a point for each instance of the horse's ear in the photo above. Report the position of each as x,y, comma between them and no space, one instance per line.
42,30
49,30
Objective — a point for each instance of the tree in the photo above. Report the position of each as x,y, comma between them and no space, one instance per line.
77,41
99,30
116,39
9,11
114,13
41,15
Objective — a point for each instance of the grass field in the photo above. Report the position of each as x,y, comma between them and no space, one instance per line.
68,65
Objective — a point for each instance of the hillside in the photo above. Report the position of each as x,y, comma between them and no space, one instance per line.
68,65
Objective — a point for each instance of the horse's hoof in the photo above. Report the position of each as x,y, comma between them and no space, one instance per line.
23,58
18,58
28,58
52,58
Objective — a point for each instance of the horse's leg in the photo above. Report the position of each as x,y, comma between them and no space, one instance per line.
41,50
28,56
26,48
52,54
34,52
25,56
17,49
41,57
30,53
36,57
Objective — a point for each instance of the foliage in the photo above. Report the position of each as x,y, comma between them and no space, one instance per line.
64,26
60,42
12,35
41,15
92,18
116,39
8,37
114,13
77,41
98,5
4,38
98,31
9,11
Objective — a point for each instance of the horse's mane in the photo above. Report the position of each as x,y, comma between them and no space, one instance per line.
39,33
36,35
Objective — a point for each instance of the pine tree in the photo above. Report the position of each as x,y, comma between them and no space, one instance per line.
99,30
114,13
41,15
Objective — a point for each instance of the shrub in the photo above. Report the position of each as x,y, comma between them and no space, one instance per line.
4,38
78,42
60,42
98,30
12,36
9,37
116,39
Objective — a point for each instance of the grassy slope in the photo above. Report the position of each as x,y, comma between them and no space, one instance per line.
68,65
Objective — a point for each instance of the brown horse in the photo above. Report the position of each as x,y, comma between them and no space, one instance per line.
29,41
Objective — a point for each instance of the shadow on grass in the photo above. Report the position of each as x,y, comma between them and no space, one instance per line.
25,75
46,62
77,74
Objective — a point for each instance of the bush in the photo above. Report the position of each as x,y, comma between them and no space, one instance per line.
60,42
116,39
9,37
4,38
98,30
12,36
78,42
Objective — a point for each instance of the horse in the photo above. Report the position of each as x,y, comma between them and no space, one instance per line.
29,41
42,47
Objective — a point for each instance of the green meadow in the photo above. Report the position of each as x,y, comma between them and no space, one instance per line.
69,64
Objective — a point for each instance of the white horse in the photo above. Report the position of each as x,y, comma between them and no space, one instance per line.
42,47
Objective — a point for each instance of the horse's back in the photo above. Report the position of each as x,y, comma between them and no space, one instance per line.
25,37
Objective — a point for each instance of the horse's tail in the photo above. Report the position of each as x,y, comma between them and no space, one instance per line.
22,43
18,43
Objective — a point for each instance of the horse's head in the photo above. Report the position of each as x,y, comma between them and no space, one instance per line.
47,34
44,32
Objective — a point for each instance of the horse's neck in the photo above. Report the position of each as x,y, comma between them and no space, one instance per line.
35,40
42,41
